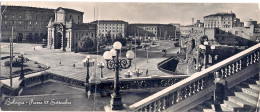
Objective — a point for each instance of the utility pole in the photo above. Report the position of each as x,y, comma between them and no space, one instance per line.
11,58
135,50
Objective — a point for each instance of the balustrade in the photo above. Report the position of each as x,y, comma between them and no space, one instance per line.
199,81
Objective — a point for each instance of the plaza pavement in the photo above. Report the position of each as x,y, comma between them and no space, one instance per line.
51,57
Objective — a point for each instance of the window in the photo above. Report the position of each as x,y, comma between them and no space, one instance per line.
5,16
36,22
236,32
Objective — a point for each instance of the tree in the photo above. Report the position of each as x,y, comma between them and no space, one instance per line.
120,38
86,44
108,37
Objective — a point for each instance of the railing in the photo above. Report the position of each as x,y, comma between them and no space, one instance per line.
191,87
30,81
159,66
7,90
142,82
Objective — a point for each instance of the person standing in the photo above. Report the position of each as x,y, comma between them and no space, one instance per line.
60,62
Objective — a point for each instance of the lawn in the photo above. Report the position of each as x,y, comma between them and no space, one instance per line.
29,67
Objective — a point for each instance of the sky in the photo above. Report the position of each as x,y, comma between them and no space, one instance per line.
163,13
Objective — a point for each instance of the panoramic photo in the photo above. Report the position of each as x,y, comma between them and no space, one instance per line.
129,57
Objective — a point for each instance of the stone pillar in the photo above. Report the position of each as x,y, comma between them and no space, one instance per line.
1,95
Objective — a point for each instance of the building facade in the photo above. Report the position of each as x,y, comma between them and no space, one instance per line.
163,31
67,28
198,24
222,20
112,27
29,23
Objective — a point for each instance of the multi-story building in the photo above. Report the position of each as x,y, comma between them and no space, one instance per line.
198,24
222,20
114,27
29,23
67,28
152,30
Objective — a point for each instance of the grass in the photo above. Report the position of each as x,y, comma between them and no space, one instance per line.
29,67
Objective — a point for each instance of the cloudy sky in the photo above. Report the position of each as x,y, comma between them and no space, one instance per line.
151,12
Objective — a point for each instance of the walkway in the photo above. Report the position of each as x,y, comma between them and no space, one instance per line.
51,57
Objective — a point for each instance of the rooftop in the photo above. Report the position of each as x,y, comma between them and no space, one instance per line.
108,21
6,7
222,14
69,10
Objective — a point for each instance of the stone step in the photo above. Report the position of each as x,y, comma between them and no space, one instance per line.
202,106
251,81
231,106
239,101
224,108
208,103
255,86
257,82
208,110
239,88
251,92
246,97
194,110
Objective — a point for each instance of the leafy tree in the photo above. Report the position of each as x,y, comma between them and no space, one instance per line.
120,38
86,44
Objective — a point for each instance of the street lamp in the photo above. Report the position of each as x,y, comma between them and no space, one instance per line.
86,63
128,74
138,72
21,60
114,63
101,66
205,50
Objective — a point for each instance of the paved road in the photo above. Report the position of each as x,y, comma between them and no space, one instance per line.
51,57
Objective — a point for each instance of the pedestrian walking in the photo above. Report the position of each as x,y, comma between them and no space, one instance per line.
60,62
74,65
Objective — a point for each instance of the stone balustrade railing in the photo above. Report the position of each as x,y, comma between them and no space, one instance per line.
201,83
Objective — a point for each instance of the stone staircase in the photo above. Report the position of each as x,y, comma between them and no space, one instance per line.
243,97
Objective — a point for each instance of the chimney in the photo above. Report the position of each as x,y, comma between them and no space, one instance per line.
192,21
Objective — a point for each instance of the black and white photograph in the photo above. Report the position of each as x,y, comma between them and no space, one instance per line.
97,56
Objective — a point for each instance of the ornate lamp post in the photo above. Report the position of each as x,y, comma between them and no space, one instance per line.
101,66
207,49
128,74
213,53
86,63
114,63
138,72
203,51
21,60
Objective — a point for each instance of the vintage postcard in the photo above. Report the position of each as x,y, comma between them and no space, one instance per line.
136,56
